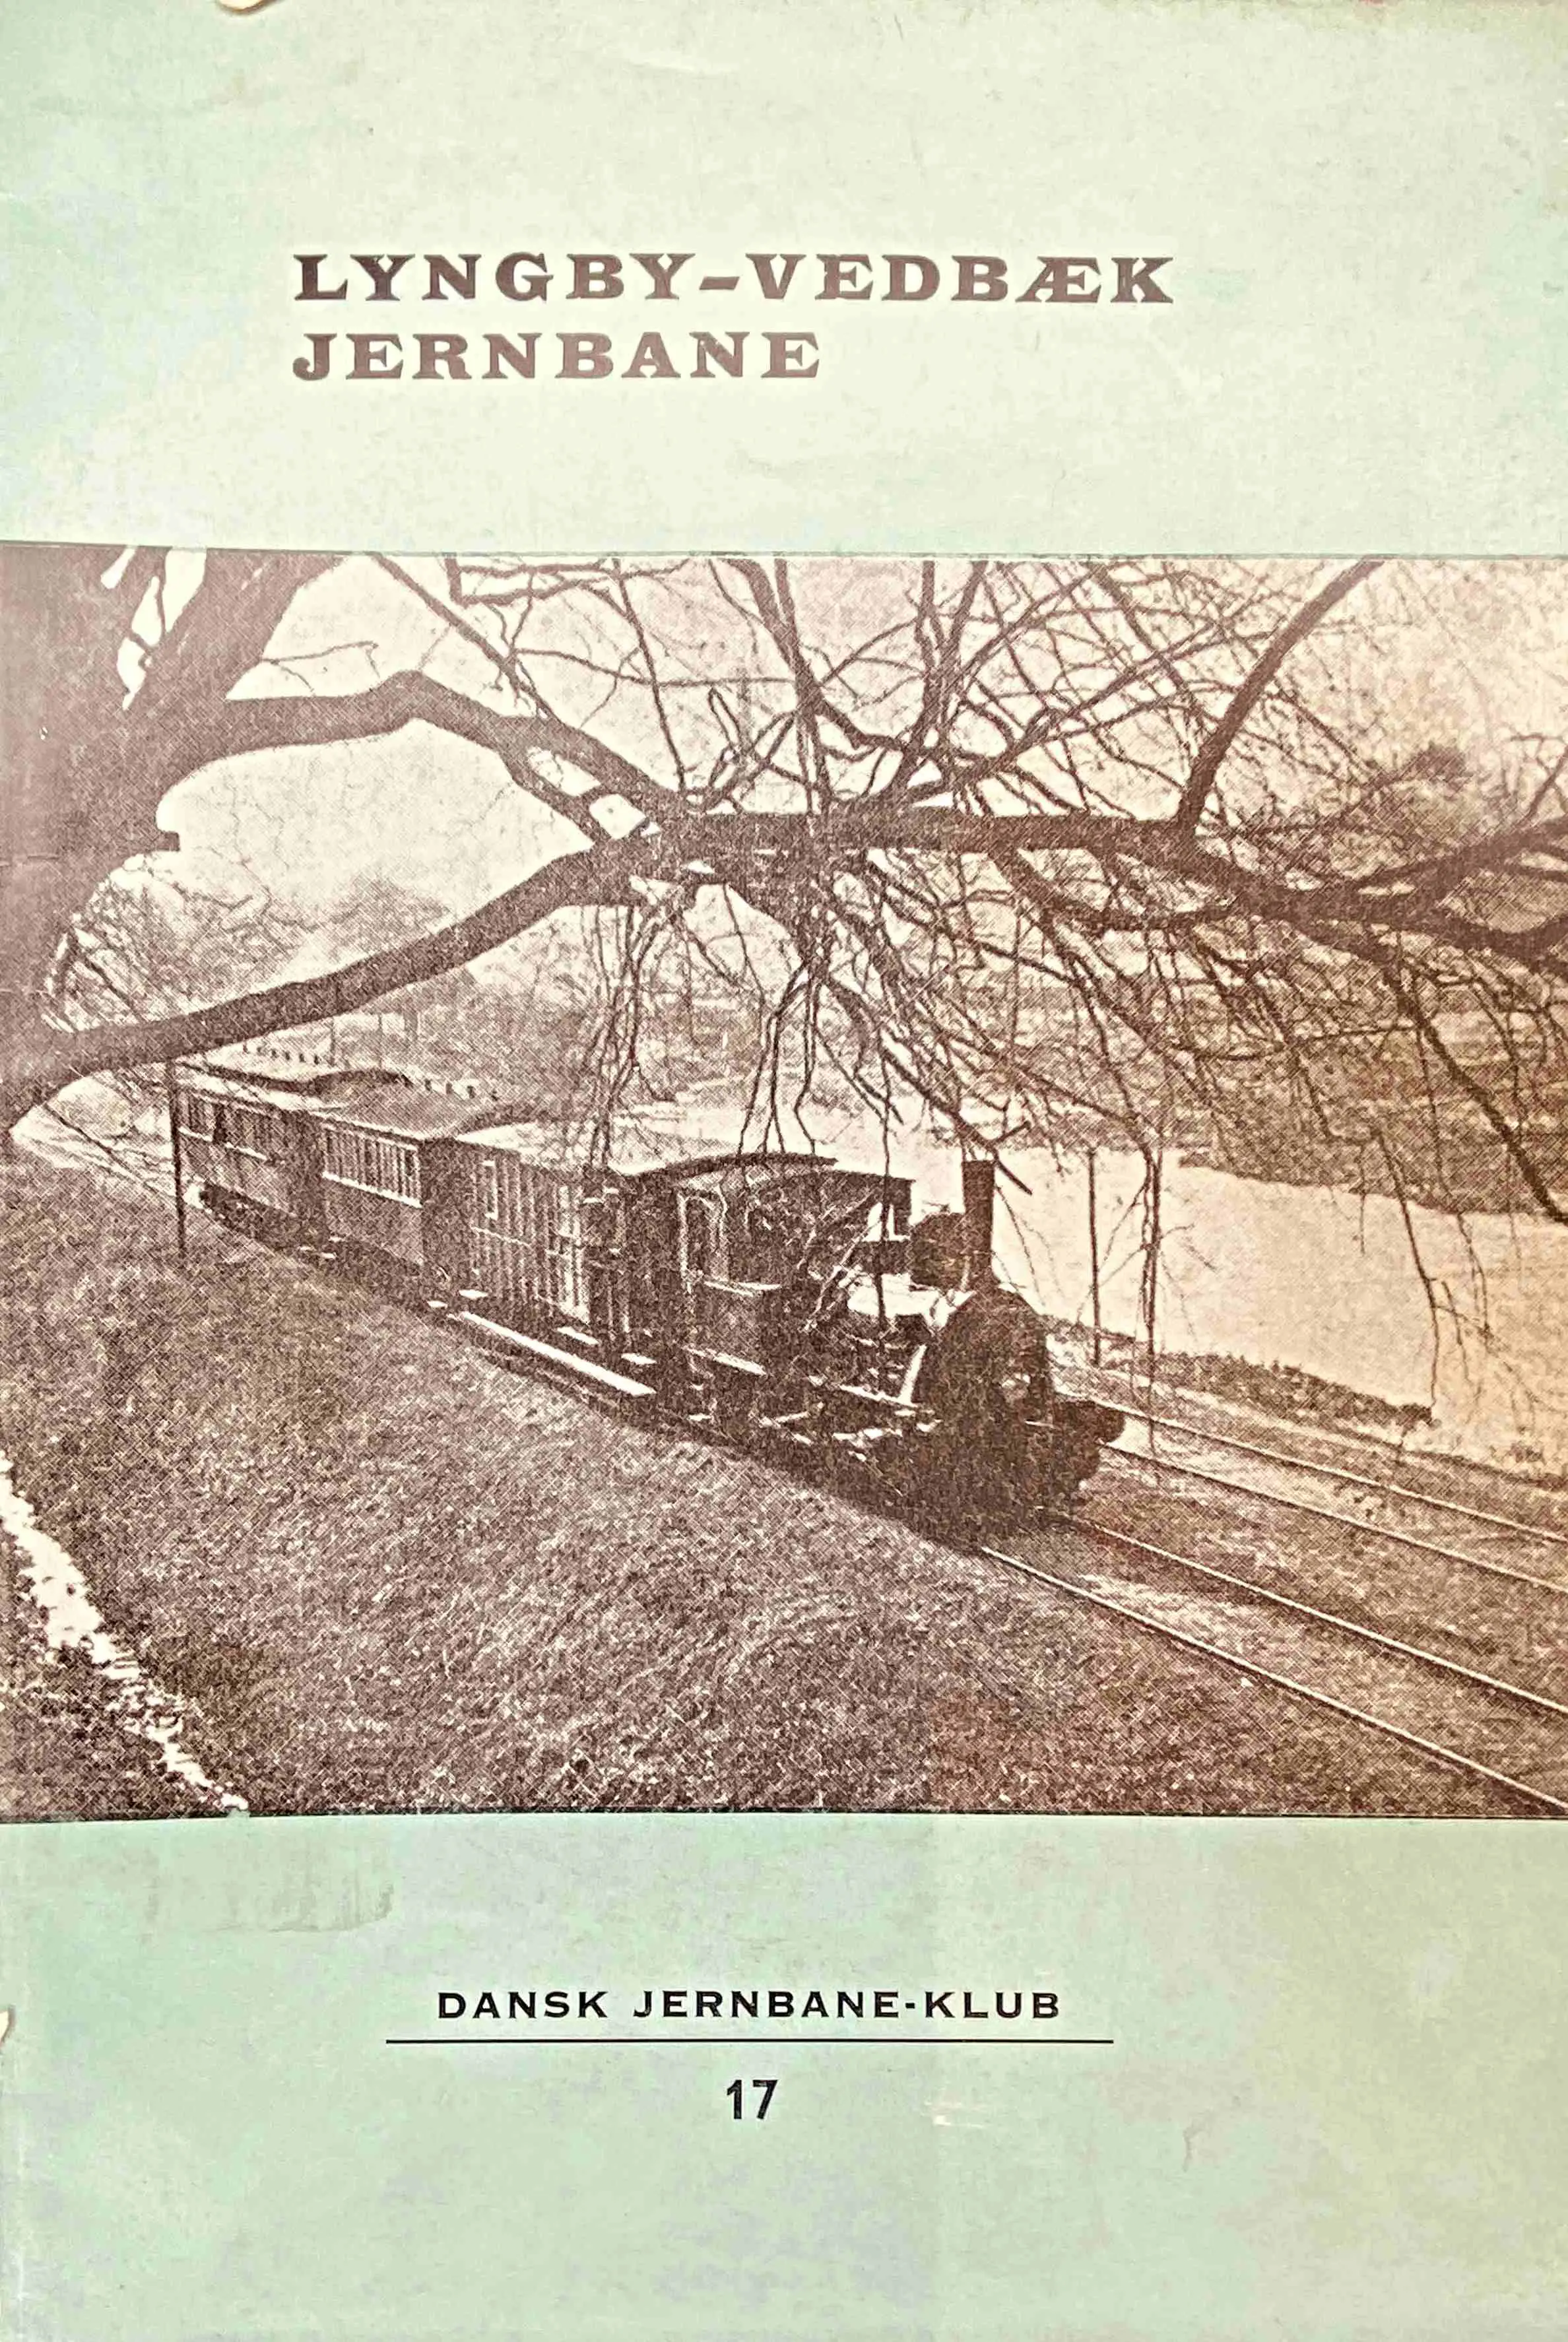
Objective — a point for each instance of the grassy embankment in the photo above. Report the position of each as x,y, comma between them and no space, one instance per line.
387,1574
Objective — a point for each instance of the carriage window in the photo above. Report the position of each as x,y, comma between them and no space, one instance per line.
567,1247
198,1115
246,1128
699,1235
358,1158
531,1223
604,1221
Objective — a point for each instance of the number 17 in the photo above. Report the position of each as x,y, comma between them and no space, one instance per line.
736,2095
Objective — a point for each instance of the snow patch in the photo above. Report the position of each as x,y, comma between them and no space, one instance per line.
72,1621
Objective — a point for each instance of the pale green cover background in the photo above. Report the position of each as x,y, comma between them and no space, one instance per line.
1337,2100
1365,203
1335,2107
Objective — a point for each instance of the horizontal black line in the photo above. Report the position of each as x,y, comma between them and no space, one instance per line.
747,2041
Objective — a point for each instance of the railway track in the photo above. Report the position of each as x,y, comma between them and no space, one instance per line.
1534,1515
1261,1615
1541,1532
1507,1784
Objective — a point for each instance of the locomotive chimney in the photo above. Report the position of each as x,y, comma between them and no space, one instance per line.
979,1215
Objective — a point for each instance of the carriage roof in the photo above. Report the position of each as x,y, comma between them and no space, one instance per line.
250,1085
290,1084
366,1097
405,1112
633,1146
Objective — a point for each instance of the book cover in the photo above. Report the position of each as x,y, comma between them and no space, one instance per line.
782,1412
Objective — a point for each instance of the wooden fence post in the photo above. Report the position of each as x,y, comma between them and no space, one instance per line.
177,1154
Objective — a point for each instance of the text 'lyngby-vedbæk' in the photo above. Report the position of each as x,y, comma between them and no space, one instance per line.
577,355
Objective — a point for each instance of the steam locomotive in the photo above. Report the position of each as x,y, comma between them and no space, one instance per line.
773,1297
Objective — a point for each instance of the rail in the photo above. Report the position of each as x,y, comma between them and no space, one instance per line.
1454,1759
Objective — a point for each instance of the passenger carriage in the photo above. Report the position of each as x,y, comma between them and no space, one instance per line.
246,1137
388,1180
352,1163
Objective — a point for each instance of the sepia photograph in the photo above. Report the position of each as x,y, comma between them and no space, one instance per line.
709,1183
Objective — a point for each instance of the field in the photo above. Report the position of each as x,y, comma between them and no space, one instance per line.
383,1573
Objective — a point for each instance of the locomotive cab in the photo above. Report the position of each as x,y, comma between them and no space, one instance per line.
769,1248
